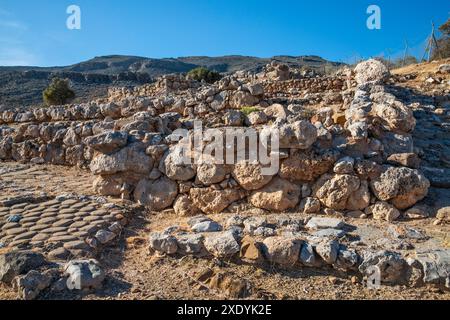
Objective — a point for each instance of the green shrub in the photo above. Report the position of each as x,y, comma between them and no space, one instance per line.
58,92
202,73
248,110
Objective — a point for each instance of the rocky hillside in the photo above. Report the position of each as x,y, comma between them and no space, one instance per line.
23,86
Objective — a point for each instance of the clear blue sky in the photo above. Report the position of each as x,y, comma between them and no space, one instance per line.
33,32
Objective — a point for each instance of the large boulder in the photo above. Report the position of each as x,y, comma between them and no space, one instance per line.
249,175
284,251
403,187
395,116
210,200
156,194
174,165
222,244
307,165
298,135
107,142
371,71
17,263
84,274
278,195
209,174
129,159
390,266
338,192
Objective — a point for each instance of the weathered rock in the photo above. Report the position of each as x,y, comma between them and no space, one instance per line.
191,244
184,207
328,251
251,250
436,267
17,263
308,165
163,243
316,223
32,284
391,266
348,259
310,205
344,166
209,174
107,142
418,212
234,118
128,159
403,187
308,256
105,236
298,135
210,200
395,116
443,214
206,226
222,245
278,195
156,194
334,191
371,71
249,175
410,160
383,211
174,165
84,274
284,251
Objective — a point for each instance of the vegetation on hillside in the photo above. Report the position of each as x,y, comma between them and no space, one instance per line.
58,92
204,74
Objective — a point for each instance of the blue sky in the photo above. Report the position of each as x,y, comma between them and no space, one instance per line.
33,32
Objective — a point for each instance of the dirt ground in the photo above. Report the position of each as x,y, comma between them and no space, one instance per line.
134,274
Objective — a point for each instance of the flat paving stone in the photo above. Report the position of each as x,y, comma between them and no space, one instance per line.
40,237
39,227
15,231
88,209
53,230
32,214
63,223
81,234
92,218
10,225
64,238
19,243
31,206
71,211
19,206
27,235
49,220
79,224
76,245
49,214
78,206
29,219
70,202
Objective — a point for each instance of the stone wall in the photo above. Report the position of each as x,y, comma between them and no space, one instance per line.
361,162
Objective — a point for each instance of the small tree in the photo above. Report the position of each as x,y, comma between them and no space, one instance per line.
443,42
202,73
58,92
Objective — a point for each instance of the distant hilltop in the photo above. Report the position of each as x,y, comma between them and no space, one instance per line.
23,86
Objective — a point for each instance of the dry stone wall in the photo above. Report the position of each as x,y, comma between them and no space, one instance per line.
356,157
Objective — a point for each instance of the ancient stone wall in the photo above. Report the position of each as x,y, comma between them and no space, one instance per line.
361,163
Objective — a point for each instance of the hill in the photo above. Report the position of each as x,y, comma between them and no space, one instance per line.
23,86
